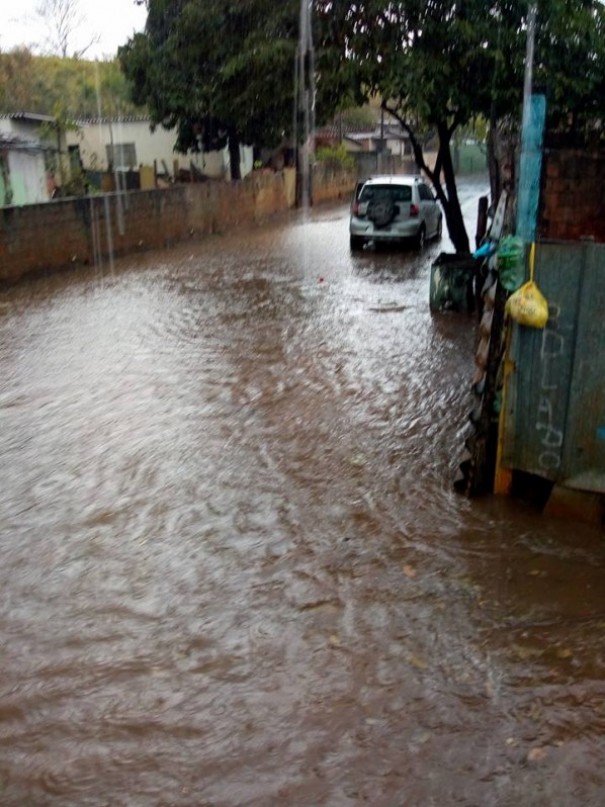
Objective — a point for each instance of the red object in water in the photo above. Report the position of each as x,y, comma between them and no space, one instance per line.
321,280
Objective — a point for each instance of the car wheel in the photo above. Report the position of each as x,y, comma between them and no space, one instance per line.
356,242
420,237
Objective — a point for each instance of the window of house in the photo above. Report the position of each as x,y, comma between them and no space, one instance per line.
121,155
75,159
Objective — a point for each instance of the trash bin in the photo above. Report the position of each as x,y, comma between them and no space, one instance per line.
453,283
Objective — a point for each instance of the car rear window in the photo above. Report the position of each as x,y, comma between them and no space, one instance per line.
397,193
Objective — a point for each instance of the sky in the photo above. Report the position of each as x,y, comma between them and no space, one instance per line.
114,21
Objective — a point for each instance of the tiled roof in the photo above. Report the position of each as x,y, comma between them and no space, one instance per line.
334,131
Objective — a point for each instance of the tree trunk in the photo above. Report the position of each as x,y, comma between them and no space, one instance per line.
450,201
492,160
443,165
234,159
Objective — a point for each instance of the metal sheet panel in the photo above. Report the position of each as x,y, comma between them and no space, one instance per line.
584,457
555,398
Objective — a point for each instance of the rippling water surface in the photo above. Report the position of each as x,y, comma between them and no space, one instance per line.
234,570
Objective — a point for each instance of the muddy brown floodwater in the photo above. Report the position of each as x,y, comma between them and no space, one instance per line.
233,568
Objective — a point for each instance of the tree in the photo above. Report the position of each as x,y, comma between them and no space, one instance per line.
78,87
16,90
429,64
439,63
223,71
219,72
63,20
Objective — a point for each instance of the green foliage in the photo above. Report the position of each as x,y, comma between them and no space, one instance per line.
66,88
446,60
220,68
439,64
570,63
216,69
335,156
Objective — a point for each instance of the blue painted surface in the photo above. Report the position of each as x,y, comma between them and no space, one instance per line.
530,167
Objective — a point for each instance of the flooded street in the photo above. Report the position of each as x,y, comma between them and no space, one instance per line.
234,569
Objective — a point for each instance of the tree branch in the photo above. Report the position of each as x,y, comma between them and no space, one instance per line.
417,148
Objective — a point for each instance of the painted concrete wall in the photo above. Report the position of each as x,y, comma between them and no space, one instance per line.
22,177
27,177
157,146
52,146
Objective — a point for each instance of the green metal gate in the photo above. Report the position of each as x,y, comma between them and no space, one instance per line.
554,417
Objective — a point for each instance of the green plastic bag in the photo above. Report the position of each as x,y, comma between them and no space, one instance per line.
511,265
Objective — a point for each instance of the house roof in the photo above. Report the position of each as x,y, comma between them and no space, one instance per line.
335,130
389,131
27,117
35,117
113,119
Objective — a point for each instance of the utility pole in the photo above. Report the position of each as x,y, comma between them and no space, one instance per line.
305,100
532,134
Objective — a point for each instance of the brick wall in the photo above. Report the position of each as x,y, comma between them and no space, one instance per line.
572,204
55,235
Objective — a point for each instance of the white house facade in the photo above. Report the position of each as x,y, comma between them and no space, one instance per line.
29,148
127,143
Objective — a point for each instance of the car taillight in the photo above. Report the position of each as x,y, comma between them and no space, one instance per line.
414,210
355,208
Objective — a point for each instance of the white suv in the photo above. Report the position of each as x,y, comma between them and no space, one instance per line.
394,208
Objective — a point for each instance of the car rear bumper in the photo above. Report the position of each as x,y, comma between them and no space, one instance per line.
396,231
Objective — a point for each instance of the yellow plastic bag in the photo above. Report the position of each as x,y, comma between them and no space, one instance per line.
527,305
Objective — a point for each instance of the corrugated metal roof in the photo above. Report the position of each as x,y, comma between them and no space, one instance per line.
34,117
30,117
116,119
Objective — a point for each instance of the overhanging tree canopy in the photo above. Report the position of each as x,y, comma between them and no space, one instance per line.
223,70
439,63
220,72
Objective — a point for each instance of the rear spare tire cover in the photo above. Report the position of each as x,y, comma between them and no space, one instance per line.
382,212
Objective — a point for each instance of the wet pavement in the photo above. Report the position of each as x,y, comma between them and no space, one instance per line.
234,570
